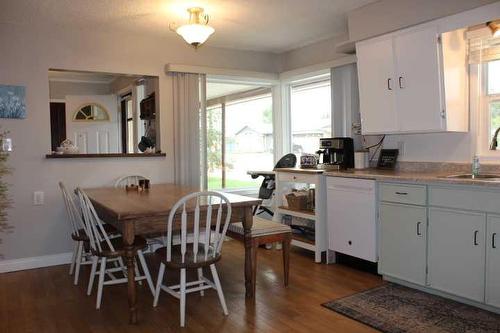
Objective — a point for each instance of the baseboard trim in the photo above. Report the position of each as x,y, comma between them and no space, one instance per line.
442,294
21,264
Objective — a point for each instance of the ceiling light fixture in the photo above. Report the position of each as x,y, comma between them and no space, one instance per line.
197,31
495,28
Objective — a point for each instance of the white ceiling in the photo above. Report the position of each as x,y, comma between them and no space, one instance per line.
260,25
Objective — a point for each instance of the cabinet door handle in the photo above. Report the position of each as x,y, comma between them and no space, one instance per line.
401,193
493,238
418,229
475,237
400,82
389,84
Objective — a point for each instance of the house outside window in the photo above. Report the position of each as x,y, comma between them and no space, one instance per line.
239,139
310,114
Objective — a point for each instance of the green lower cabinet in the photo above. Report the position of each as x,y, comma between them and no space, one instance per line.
457,250
493,261
403,242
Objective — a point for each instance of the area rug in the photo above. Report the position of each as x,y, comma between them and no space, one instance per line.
393,308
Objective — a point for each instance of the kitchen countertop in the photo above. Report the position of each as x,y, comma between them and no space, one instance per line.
299,170
410,176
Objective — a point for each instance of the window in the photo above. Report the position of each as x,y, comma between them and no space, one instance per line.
492,100
91,112
239,138
310,114
494,77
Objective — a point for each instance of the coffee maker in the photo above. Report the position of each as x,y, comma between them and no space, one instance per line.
337,152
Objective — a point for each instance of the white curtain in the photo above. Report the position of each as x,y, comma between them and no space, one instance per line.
187,130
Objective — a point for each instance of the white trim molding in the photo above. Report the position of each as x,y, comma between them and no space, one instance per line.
316,69
13,265
223,72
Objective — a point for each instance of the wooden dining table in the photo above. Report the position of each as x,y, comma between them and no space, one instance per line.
145,213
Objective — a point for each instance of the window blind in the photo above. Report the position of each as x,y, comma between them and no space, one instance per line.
483,48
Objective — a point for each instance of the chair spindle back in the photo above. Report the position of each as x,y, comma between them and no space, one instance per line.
203,237
128,180
97,234
73,210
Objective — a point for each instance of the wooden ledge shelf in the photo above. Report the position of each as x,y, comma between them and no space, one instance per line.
103,155
302,239
306,214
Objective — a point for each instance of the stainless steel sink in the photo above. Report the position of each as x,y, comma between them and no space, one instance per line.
486,177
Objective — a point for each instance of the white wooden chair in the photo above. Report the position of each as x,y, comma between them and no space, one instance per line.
106,250
153,242
78,234
128,180
202,250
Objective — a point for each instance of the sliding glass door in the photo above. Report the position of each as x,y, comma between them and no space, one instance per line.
239,134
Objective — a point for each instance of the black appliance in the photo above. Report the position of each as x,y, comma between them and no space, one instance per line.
148,108
337,152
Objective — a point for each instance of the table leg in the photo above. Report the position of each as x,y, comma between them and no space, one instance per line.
128,239
286,258
247,227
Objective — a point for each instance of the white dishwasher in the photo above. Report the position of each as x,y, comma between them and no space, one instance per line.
351,217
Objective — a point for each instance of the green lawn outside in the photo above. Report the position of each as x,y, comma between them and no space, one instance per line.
215,183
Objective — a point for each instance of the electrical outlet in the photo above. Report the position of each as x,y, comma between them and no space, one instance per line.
401,148
38,198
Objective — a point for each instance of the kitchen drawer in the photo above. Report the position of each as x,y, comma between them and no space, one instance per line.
465,199
403,193
350,184
296,177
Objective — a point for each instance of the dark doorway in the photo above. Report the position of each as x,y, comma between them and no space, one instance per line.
57,124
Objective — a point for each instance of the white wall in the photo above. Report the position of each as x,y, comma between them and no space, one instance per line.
312,54
60,89
27,54
389,15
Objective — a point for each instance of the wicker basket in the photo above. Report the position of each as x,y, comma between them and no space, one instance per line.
298,201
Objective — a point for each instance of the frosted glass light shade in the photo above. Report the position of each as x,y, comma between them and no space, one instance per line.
195,34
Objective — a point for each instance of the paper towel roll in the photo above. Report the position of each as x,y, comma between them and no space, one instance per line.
361,160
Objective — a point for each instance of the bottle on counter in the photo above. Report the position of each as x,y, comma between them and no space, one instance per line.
476,166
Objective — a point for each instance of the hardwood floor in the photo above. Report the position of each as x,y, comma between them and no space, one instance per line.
45,300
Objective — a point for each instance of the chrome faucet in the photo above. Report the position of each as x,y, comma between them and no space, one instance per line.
494,141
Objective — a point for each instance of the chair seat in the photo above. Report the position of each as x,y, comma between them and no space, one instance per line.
139,244
261,227
176,259
82,235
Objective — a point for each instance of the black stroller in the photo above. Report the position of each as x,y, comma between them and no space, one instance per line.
266,190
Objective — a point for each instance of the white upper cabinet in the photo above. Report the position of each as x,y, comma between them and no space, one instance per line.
413,81
418,81
376,86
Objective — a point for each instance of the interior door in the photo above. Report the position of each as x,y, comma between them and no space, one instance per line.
418,81
457,252
377,86
403,242
493,261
